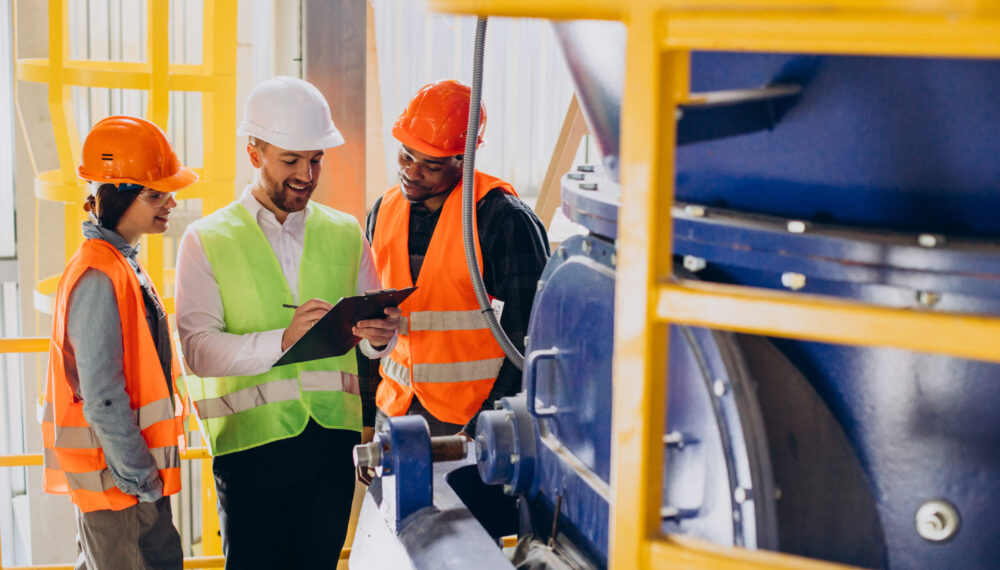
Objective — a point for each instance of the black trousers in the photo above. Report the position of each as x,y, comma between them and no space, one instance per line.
287,504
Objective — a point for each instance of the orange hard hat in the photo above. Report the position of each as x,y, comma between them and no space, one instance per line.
130,150
436,119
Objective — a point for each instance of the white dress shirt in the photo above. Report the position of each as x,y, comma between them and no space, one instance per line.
208,349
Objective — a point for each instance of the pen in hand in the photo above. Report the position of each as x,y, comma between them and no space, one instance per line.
287,306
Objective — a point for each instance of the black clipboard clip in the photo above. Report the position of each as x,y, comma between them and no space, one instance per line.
332,336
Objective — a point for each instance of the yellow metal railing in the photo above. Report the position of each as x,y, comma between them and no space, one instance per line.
660,35
214,78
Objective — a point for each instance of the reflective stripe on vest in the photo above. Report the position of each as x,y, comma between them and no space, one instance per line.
445,355
457,371
446,321
276,391
73,459
152,413
396,371
49,459
155,412
102,480
442,372
242,412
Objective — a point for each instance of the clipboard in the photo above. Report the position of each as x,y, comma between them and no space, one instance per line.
332,336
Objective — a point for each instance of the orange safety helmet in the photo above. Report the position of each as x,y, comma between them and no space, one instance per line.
437,118
130,150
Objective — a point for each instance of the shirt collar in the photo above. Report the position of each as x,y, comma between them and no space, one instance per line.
260,213
94,231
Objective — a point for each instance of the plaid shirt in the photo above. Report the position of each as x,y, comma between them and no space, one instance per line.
515,250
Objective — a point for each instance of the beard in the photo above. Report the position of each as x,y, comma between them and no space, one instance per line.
283,198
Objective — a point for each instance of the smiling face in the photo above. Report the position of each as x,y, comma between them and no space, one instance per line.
285,179
428,179
149,213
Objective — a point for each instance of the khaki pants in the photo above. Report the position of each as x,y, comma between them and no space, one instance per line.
140,537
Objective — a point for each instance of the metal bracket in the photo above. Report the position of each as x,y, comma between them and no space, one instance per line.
409,460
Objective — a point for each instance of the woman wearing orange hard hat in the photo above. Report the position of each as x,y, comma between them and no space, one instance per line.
111,422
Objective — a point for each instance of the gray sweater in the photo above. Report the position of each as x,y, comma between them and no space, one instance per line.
94,341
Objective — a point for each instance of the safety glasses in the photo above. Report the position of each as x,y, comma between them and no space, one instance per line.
155,198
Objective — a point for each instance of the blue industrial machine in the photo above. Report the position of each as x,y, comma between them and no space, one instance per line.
864,178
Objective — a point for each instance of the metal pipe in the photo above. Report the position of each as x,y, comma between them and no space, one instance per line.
468,202
449,448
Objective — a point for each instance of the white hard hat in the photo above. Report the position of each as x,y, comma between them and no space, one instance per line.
291,114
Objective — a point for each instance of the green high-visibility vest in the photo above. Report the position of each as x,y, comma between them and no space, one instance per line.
241,412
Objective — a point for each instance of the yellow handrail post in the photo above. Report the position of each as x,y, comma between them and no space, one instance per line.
648,114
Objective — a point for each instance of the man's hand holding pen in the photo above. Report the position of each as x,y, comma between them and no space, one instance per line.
305,317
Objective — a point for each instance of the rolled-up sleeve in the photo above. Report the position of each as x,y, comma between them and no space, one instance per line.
94,331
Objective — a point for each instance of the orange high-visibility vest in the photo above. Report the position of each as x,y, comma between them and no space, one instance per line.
73,459
446,354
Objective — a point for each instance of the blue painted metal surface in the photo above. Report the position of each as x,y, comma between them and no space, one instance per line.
920,423
876,152
720,487
891,143
507,447
409,460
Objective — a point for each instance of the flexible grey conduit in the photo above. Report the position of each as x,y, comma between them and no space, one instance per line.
468,201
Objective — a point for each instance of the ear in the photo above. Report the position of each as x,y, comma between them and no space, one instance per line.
256,160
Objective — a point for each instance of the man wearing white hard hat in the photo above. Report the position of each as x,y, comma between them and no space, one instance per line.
281,436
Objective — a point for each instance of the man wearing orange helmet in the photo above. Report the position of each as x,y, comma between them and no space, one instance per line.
446,365
281,436
111,423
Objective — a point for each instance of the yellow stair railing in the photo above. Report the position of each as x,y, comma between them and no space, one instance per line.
661,34
214,78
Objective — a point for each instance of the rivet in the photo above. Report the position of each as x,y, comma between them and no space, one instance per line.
937,520
695,210
796,227
669,513
777,494
930,240
928,298
719,387
562,252
679,114
508,489
674,439
694,264
587,247
742,495
514,458
614,259
541,285
498,405
793,281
